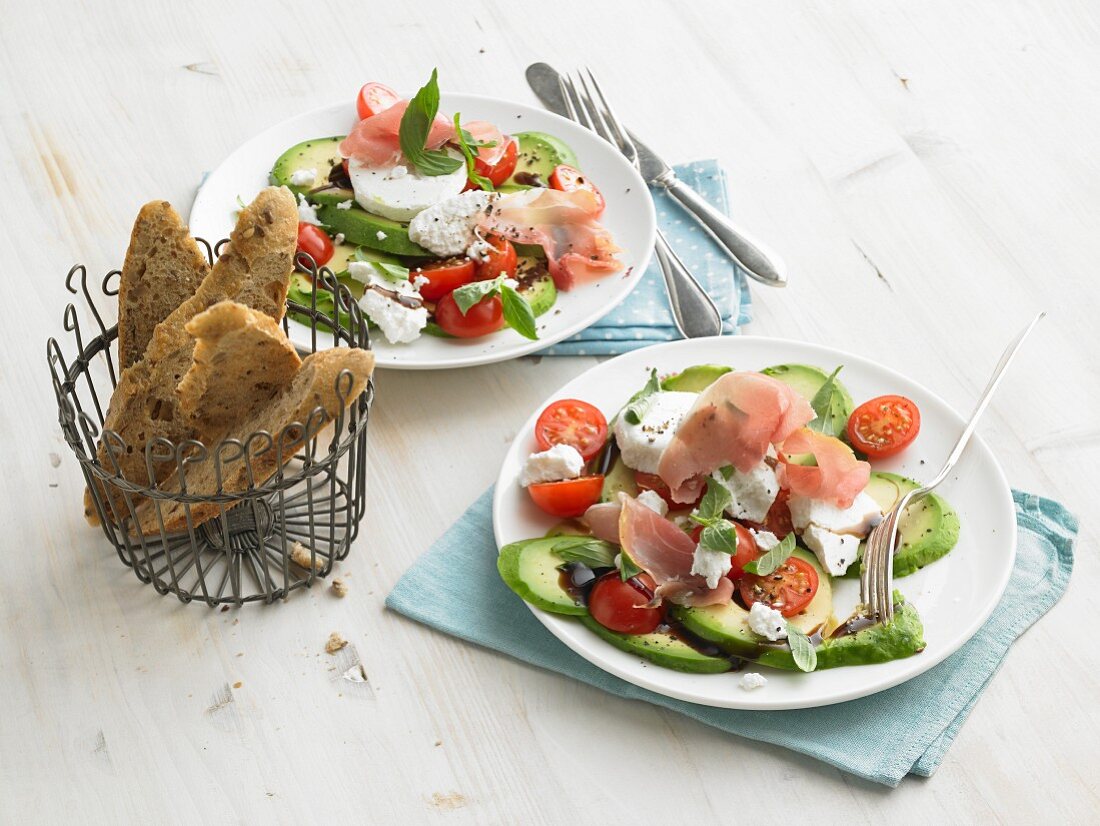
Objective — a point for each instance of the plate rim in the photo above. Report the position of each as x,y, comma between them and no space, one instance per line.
523,347
752,701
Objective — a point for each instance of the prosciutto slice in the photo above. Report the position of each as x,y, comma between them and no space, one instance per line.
838,476
374,141
603,520
666,553
485,132
733,422
578,248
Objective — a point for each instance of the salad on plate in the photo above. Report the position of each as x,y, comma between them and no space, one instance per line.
440,225
702,525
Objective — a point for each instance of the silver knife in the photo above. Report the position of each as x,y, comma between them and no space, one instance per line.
751,256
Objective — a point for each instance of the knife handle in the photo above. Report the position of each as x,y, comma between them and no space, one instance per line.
765,267
693,311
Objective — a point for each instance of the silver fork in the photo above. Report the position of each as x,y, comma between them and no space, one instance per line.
693,311
876,582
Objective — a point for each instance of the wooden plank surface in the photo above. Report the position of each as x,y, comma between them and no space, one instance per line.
928,170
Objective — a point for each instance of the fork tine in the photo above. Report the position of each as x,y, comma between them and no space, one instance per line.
600,125
570,107
574,103
621,135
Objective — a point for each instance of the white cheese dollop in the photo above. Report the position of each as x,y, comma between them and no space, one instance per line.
752,493
345,204
447,228
553,465
642,444
303,177
398,323
767,622
751,681
398,193
858,519
711,565
765,540
653,501
835,552
307,213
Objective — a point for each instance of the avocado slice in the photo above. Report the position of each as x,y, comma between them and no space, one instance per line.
927,530
806,381
663,649
321,154
362,228
539,153
874,643
540,293
530,568
727,626
618,478
695,379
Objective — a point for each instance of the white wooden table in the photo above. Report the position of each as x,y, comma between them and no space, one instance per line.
927,169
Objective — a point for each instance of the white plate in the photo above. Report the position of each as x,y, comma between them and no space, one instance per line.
629,216
954,595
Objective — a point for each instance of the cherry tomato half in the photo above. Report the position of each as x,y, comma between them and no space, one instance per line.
487,316
778,520
500,171
313,241
501,259
884,426
444,276
572,422
568,498
374,98
621,606
746,549
570,179
788,589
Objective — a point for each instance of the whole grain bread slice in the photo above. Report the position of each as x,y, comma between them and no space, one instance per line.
314,386
242,360
254,269
163,268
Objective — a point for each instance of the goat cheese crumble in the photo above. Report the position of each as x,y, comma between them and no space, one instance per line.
767,622
303,177
447,228
711,565
307,213
553,465
751,681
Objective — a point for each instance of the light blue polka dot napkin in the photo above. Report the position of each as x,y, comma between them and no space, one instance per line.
644,318
455,588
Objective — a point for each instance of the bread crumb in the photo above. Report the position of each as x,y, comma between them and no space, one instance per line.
339,587
335,642
299,555
237,684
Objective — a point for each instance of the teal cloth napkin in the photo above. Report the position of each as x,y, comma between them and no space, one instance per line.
907,729
644,317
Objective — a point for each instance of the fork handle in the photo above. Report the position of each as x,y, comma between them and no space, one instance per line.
765,267
693,311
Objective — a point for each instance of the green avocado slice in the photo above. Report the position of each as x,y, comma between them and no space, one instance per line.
363,229
695,379
806,380
530,568
662,649
539,153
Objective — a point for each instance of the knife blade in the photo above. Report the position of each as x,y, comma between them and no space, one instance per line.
543,80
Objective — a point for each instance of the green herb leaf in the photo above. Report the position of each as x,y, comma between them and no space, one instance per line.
468,295
822,403
726,471
468,145
641,401
627,567
416,123
518,313
721,537
769,562
805,655
587,550
713,504
240,202
391,272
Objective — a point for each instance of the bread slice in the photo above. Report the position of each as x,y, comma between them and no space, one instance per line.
242,360
254,269
163,268
313,386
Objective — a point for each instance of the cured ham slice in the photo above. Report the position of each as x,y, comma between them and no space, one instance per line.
603,520
374,140
485,132
666,552
578,248
733,422
838,477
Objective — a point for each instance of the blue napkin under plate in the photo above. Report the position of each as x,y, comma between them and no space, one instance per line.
644,317
907,729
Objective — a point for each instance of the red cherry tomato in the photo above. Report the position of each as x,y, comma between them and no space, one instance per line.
500,171
572,422
653,482
884,426
500,260
568,498
746,549
778,520
788,589
571,179
487,316
374,98
313,241
621,606
444,276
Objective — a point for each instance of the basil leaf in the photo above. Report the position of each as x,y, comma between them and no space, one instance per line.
720,537
822,403
805,655
769,562
416,123
713,504
587,550
391,272
627,567
468,295
468,146
518,313
641,401
726,471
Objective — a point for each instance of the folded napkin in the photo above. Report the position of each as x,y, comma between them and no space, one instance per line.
644,317
907,729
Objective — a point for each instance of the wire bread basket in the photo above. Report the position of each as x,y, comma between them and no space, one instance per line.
276,535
